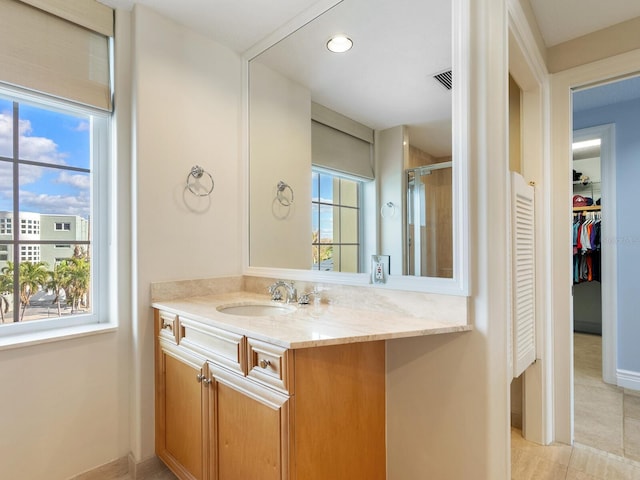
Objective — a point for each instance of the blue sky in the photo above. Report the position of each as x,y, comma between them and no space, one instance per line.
322,191
53,138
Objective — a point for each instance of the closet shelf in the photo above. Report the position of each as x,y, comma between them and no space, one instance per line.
590,208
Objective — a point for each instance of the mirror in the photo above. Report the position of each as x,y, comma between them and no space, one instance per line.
350,154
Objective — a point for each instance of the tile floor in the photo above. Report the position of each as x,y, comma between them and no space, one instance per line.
606,417
607,429
530,461
165,475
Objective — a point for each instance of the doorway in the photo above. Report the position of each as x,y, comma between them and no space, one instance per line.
604,417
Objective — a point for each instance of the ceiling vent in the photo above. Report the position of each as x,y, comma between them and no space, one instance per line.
444,79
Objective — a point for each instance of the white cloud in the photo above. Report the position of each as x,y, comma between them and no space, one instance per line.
39,149
83,126
6,134
54,204
81,181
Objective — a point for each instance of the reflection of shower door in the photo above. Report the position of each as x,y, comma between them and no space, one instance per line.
429,251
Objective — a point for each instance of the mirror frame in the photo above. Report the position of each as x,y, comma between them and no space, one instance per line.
460,283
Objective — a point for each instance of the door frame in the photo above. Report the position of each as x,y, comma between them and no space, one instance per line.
609,281
561,132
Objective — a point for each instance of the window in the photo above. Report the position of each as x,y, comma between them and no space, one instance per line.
62,226
335,220
53,160
5,225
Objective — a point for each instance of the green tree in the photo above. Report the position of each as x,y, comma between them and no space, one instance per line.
33,276
57,282
6,288
77,271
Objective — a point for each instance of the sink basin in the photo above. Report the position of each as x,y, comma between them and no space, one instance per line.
255,309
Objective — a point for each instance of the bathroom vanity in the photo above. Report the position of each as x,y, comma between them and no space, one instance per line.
269,391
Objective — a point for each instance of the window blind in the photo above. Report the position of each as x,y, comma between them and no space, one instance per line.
339,151
58,47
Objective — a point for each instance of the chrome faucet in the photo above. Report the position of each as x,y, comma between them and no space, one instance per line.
292,294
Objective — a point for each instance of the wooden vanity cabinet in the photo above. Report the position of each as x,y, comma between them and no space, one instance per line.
250,429
180,407
267,412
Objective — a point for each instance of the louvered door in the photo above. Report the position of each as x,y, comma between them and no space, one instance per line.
523,274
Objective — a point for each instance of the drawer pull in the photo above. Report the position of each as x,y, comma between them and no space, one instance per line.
265,363
167,325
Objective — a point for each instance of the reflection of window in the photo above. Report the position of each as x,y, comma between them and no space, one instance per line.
335,220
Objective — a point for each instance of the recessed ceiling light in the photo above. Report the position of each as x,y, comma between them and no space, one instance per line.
339,44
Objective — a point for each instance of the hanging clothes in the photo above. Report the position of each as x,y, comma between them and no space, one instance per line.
586,247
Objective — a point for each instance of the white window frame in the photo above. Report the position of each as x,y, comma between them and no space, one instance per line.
26,333
362,183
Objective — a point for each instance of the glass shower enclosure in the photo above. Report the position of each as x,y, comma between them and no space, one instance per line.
429,221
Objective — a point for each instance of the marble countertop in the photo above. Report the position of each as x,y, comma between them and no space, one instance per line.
317,325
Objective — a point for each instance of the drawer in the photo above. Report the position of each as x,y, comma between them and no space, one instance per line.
269,364
167,326
220,346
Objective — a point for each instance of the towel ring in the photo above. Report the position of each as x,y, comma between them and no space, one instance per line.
386,207
282,197
196,172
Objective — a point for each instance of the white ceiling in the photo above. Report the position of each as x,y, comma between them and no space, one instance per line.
347,86
239,24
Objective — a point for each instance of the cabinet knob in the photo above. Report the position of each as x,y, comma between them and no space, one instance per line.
264,363
206,381
200,377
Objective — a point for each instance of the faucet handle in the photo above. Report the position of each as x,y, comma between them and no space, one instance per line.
304,299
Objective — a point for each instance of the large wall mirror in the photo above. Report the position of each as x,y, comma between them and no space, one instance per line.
360,153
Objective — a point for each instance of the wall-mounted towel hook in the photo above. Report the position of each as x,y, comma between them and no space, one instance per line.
281,195
197,172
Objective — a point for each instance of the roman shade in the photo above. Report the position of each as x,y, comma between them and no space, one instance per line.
338,151
58,47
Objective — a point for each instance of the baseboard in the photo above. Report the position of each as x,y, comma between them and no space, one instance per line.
109,471
146,469
628,379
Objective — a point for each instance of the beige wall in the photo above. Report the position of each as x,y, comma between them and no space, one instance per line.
458,385
389,167
186,104
280,150
64,407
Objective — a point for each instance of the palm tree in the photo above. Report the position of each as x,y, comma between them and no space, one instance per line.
6,287
77,274
32,277
57,282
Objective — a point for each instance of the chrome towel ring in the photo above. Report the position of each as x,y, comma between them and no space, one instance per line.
196,172
388,210
281,196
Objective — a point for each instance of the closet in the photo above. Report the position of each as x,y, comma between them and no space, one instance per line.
587,217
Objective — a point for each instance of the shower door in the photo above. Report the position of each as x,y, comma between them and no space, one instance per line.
429,248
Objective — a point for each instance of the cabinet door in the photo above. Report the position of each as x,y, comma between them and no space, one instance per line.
179,415
251,425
